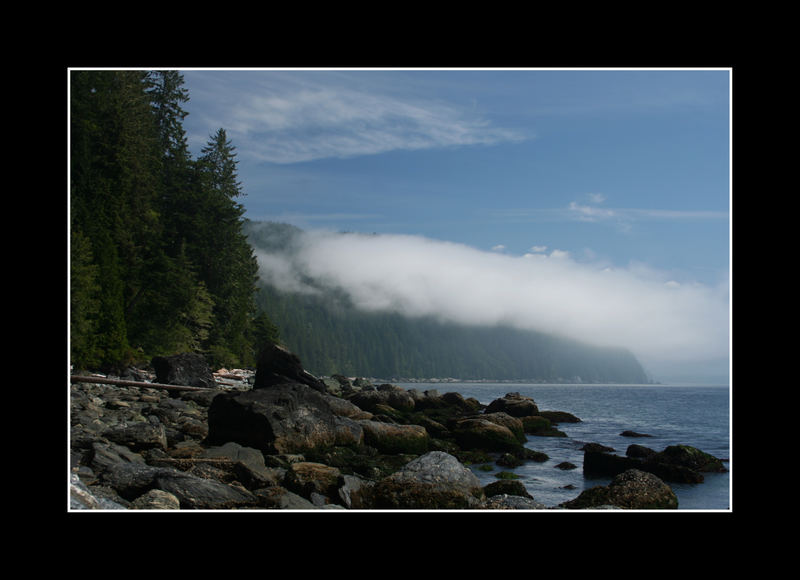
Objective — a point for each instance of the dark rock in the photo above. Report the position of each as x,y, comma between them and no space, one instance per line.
276,366
481,433
509,460
508,487
639,451
512,502
540,427
566,466
691,457
559,417
133,480
604,464
396,398
278,497
628,433
461,404
515,405
632,489
513,424
597,447
674,466
187,369
138,436
285,418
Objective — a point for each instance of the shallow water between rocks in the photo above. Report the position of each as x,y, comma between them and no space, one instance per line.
696,415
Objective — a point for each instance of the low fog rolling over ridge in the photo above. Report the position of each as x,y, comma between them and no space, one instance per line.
675,330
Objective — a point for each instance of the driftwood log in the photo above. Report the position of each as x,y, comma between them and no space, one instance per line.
140,384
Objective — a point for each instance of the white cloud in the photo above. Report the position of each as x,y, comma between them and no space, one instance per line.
285,118
589,213
637,308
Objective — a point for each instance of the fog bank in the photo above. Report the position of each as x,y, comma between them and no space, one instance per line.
665,324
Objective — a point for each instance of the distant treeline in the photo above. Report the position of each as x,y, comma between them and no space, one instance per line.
331,336
159,263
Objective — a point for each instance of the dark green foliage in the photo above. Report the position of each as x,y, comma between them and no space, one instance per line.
159,263
331,337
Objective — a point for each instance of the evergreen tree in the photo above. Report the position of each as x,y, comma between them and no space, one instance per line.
227,264
159,262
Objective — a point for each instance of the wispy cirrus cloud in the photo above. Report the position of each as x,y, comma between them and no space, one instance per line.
280,117
622,218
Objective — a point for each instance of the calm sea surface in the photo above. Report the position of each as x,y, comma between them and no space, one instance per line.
692,415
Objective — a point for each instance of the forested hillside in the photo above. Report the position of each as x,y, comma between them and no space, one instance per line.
331,336
159,263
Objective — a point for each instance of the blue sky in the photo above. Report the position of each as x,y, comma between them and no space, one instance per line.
623,170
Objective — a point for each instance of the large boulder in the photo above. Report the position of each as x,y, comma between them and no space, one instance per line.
285,418
276,365
691,457
676,464
515,405
131,480
307,477
392,438
394,397
632,489
186,369
481,433
436,480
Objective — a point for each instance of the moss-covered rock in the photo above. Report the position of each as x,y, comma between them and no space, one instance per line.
435,480
393,438
481,433
632,489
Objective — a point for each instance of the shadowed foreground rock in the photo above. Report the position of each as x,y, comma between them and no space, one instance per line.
284,418
290,443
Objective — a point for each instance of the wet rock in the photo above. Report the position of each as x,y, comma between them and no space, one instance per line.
506,487
632,489
559,417
628,433
690,457
481,433
515,405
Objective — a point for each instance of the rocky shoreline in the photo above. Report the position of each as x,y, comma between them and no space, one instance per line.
283,439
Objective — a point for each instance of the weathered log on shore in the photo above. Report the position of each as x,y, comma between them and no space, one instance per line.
139,384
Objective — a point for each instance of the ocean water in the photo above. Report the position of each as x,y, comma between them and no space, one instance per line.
691,415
